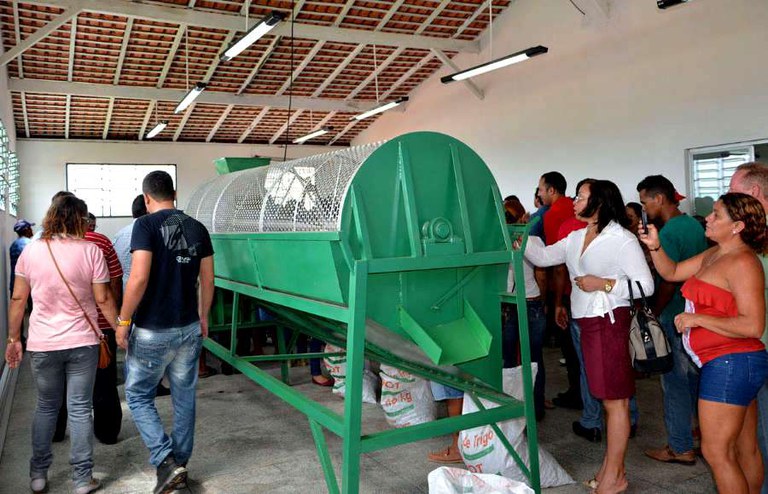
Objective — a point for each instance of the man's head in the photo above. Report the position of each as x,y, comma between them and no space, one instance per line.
91,222
751,179
138,208
23,228
536,199
657,195
158,191
552,186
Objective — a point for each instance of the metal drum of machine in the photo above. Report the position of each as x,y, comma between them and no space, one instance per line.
398,252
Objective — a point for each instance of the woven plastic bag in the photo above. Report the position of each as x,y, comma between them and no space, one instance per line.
483,452
337,368
405,398
448,480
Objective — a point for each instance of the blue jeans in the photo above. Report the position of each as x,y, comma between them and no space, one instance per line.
681,392
152,354
537,323
592,414
762,430
51,370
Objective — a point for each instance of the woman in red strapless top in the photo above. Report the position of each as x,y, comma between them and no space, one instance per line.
722,325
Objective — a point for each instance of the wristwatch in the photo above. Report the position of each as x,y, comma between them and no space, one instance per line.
123,322
608,287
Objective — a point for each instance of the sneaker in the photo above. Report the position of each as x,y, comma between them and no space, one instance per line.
92,485
39,485
592,435
666,455
169,475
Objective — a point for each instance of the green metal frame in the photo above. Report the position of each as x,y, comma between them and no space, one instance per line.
337,307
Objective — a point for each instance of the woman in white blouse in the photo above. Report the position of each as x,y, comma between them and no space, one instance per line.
600,259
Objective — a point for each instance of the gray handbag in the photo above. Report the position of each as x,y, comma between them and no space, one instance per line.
648,345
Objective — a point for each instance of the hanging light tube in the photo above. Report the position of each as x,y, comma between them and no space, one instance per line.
256,32
319,132
495,64
157,129
380,109
190,97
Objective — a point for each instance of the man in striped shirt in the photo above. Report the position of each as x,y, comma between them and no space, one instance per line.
107,412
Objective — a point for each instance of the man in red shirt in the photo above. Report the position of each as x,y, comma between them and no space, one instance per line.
551,191
107,412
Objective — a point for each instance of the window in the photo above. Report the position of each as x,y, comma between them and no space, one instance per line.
9,174
710,170
109,189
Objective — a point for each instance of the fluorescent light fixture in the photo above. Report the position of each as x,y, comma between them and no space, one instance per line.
665,4
320,132
157,129
190,97
256,32
382,108
495,64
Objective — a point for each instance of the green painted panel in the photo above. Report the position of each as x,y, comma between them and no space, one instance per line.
306,268
229,165
232,260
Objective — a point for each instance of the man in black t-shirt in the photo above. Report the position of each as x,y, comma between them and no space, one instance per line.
170,253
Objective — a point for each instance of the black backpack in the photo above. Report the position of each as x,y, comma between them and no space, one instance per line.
648,345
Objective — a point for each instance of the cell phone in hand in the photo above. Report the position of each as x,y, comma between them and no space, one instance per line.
644,219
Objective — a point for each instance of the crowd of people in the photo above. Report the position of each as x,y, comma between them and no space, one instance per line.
584,254
708,283
75,278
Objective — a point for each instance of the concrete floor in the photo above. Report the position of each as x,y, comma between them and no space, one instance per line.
248,441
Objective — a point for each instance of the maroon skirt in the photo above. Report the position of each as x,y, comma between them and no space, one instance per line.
605,347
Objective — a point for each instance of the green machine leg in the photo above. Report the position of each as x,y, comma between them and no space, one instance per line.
325,458
353,400
280,335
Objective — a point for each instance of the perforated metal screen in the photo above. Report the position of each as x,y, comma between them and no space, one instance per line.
306,194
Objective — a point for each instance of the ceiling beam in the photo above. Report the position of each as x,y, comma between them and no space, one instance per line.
408,75
219,123
378,70
17,34
229,22
72,39
147,116
253,125
303,65
285,126
108,121
256,68
66,117
471,19
183,122
171,55
338,70
38,35
212,97
24,111
123,50
216,60
467,82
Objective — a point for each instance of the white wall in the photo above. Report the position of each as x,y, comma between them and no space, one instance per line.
44,167
616,100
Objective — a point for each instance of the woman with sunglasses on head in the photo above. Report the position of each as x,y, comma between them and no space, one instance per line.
722,325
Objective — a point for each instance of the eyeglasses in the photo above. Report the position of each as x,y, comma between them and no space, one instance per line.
580,198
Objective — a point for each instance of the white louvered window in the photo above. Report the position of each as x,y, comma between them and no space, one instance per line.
711,170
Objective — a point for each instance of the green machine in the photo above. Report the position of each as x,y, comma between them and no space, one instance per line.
397,252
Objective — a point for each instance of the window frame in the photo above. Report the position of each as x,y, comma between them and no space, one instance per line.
720,148
101,164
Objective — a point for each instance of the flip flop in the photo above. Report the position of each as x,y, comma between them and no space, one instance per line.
445,456
591,484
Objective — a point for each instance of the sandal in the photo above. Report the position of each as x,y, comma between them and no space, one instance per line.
322,381
447,455
591,484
